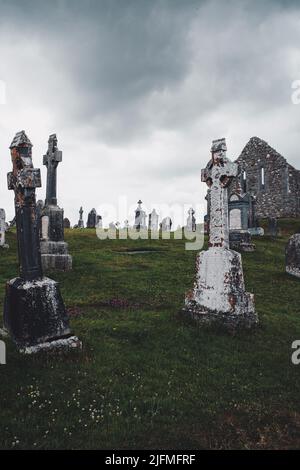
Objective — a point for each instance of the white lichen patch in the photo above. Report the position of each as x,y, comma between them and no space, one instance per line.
64,344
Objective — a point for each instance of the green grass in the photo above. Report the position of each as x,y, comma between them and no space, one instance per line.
146,379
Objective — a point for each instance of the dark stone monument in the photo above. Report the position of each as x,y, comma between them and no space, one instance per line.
92,219
272,227
140,218
54,249
292,255
241,240
67,223
34,311
80,221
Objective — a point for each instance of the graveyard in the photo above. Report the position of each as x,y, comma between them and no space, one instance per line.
146,377
149,229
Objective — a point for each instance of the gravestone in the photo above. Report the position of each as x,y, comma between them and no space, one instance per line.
99,221
39,208
166,224
272,227
12,223
140,218
92,219
153,221
241,240
80,221
191,221
219,294
34,311
67,223
292,255
54,249
2,229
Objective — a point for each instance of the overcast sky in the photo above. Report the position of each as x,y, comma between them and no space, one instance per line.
137,89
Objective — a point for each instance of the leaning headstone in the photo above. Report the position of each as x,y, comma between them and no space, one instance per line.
292,255
67,223
92,219
140,218
219,294
34,311
191,221
54,249
2,229
153,221
80,221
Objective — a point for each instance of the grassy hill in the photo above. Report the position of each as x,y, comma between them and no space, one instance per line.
145,378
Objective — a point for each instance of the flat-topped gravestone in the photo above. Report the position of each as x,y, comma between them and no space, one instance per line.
54,249
292,255
2,229
241,240
34,311
219,294
153,221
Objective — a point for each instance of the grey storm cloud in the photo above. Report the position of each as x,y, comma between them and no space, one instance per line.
139,88
126,63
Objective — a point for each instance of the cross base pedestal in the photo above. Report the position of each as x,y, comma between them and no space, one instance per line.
219,294
34,312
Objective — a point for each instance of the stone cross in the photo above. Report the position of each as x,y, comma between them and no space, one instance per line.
23,180
80,222
52,158
217,175
34,312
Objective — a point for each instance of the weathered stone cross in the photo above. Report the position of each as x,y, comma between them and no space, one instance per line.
52,158
23,180
217,175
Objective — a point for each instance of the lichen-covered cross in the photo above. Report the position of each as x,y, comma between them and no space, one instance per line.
51,160
217,175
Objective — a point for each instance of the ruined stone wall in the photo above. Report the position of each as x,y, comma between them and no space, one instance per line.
273,181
